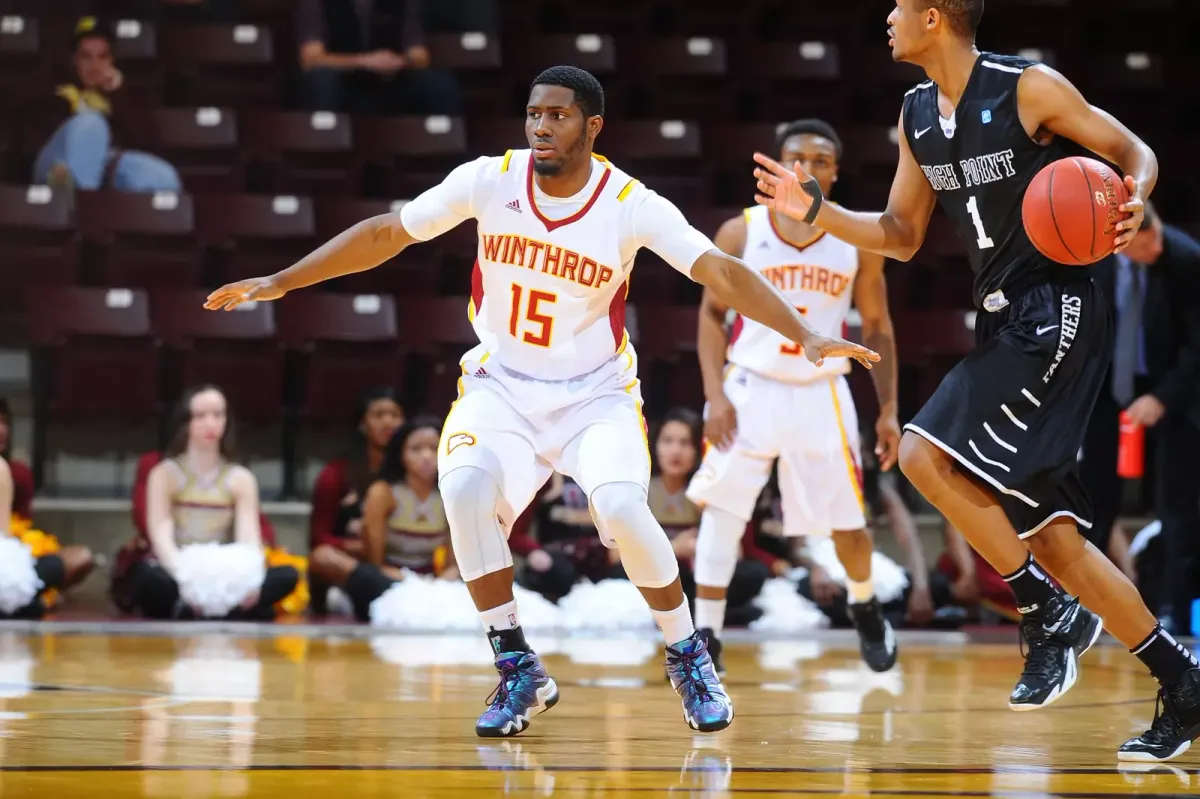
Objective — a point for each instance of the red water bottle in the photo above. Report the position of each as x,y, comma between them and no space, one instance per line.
1131,448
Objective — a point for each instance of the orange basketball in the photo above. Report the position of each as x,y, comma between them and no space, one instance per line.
1071,211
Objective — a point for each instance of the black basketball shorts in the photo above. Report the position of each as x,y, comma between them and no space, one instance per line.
1014,412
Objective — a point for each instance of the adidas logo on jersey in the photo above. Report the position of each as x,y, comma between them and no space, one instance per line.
481,372
515,205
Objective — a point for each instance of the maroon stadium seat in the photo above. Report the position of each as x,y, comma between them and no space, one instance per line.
351,344
137,239
134,40
595,52
496,135
235,350
414,271
256,235
692,56
301,152
736,143
383,139
465,51
222,64
645,139
795,60
95,356
38,246
438,331
202,143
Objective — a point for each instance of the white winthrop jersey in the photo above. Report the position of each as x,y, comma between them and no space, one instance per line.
551,276
817,277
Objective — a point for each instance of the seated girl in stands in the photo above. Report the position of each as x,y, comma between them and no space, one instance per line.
403,523
676,456
338,493
56,567
198,496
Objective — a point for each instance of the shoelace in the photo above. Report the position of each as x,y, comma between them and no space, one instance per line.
692,674
499,694
1039,650
1166,726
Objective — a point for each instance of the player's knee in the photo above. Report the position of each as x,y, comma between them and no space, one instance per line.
853,538
466,486
921,462
619,506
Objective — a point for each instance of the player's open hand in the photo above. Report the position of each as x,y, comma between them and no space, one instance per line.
780,188
1136,208
720,423
231,295
818,348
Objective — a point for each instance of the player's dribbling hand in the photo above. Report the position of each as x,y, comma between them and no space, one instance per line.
887,440
231,295
779,188
720,424
818,348
1136,208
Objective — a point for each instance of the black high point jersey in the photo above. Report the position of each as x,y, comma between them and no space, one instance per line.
980,162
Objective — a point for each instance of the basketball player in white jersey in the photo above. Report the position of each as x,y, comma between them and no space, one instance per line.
553,384
773,403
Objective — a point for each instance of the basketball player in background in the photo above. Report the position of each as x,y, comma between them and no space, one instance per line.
995,447
774,403
553,384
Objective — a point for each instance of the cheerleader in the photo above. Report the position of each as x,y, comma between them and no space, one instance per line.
34,568
404,525
196,499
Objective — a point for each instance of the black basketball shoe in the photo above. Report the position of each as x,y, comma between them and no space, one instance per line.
1176,723
714,649
877,640
1053,639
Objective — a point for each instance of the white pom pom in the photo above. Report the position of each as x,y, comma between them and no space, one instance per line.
19,582
421,602
216,578
606,605
785,611
888,577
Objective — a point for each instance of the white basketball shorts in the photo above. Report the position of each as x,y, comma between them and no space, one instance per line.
521,430
812,429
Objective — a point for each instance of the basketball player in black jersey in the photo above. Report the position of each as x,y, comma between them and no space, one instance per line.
995,447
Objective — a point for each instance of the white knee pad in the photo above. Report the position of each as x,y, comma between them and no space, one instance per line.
480,546
622,515
717,547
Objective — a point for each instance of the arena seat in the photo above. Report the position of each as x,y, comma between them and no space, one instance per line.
300,152
95,357
143,240
676,57
415,271
437,331
255,234
236,350
348,344
595,52
465,51
221,64
38,246
408,154
202,144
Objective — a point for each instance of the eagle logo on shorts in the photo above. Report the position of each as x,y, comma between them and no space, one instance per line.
457,440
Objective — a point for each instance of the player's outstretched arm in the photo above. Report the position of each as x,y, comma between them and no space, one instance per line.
364,246
896,233
369,243
744,290
1046,100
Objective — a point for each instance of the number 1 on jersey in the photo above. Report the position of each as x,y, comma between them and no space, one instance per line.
983,242
545,323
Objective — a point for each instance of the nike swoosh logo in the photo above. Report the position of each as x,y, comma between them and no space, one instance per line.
1047,329
921,133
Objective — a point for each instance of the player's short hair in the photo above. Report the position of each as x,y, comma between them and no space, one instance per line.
589,94
813,127
963,15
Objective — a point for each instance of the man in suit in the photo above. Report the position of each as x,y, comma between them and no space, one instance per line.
1154,286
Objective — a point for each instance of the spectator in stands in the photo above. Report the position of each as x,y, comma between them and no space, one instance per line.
57,567
338,493
197,495
369,55
403,523
85,150
1154,286
570,546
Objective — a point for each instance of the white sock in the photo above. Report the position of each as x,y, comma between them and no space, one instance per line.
502,617
860,592
710,613
676,625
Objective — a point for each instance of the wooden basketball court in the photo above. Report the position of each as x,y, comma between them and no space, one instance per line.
319,712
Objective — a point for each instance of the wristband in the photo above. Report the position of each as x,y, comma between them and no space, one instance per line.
812,189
